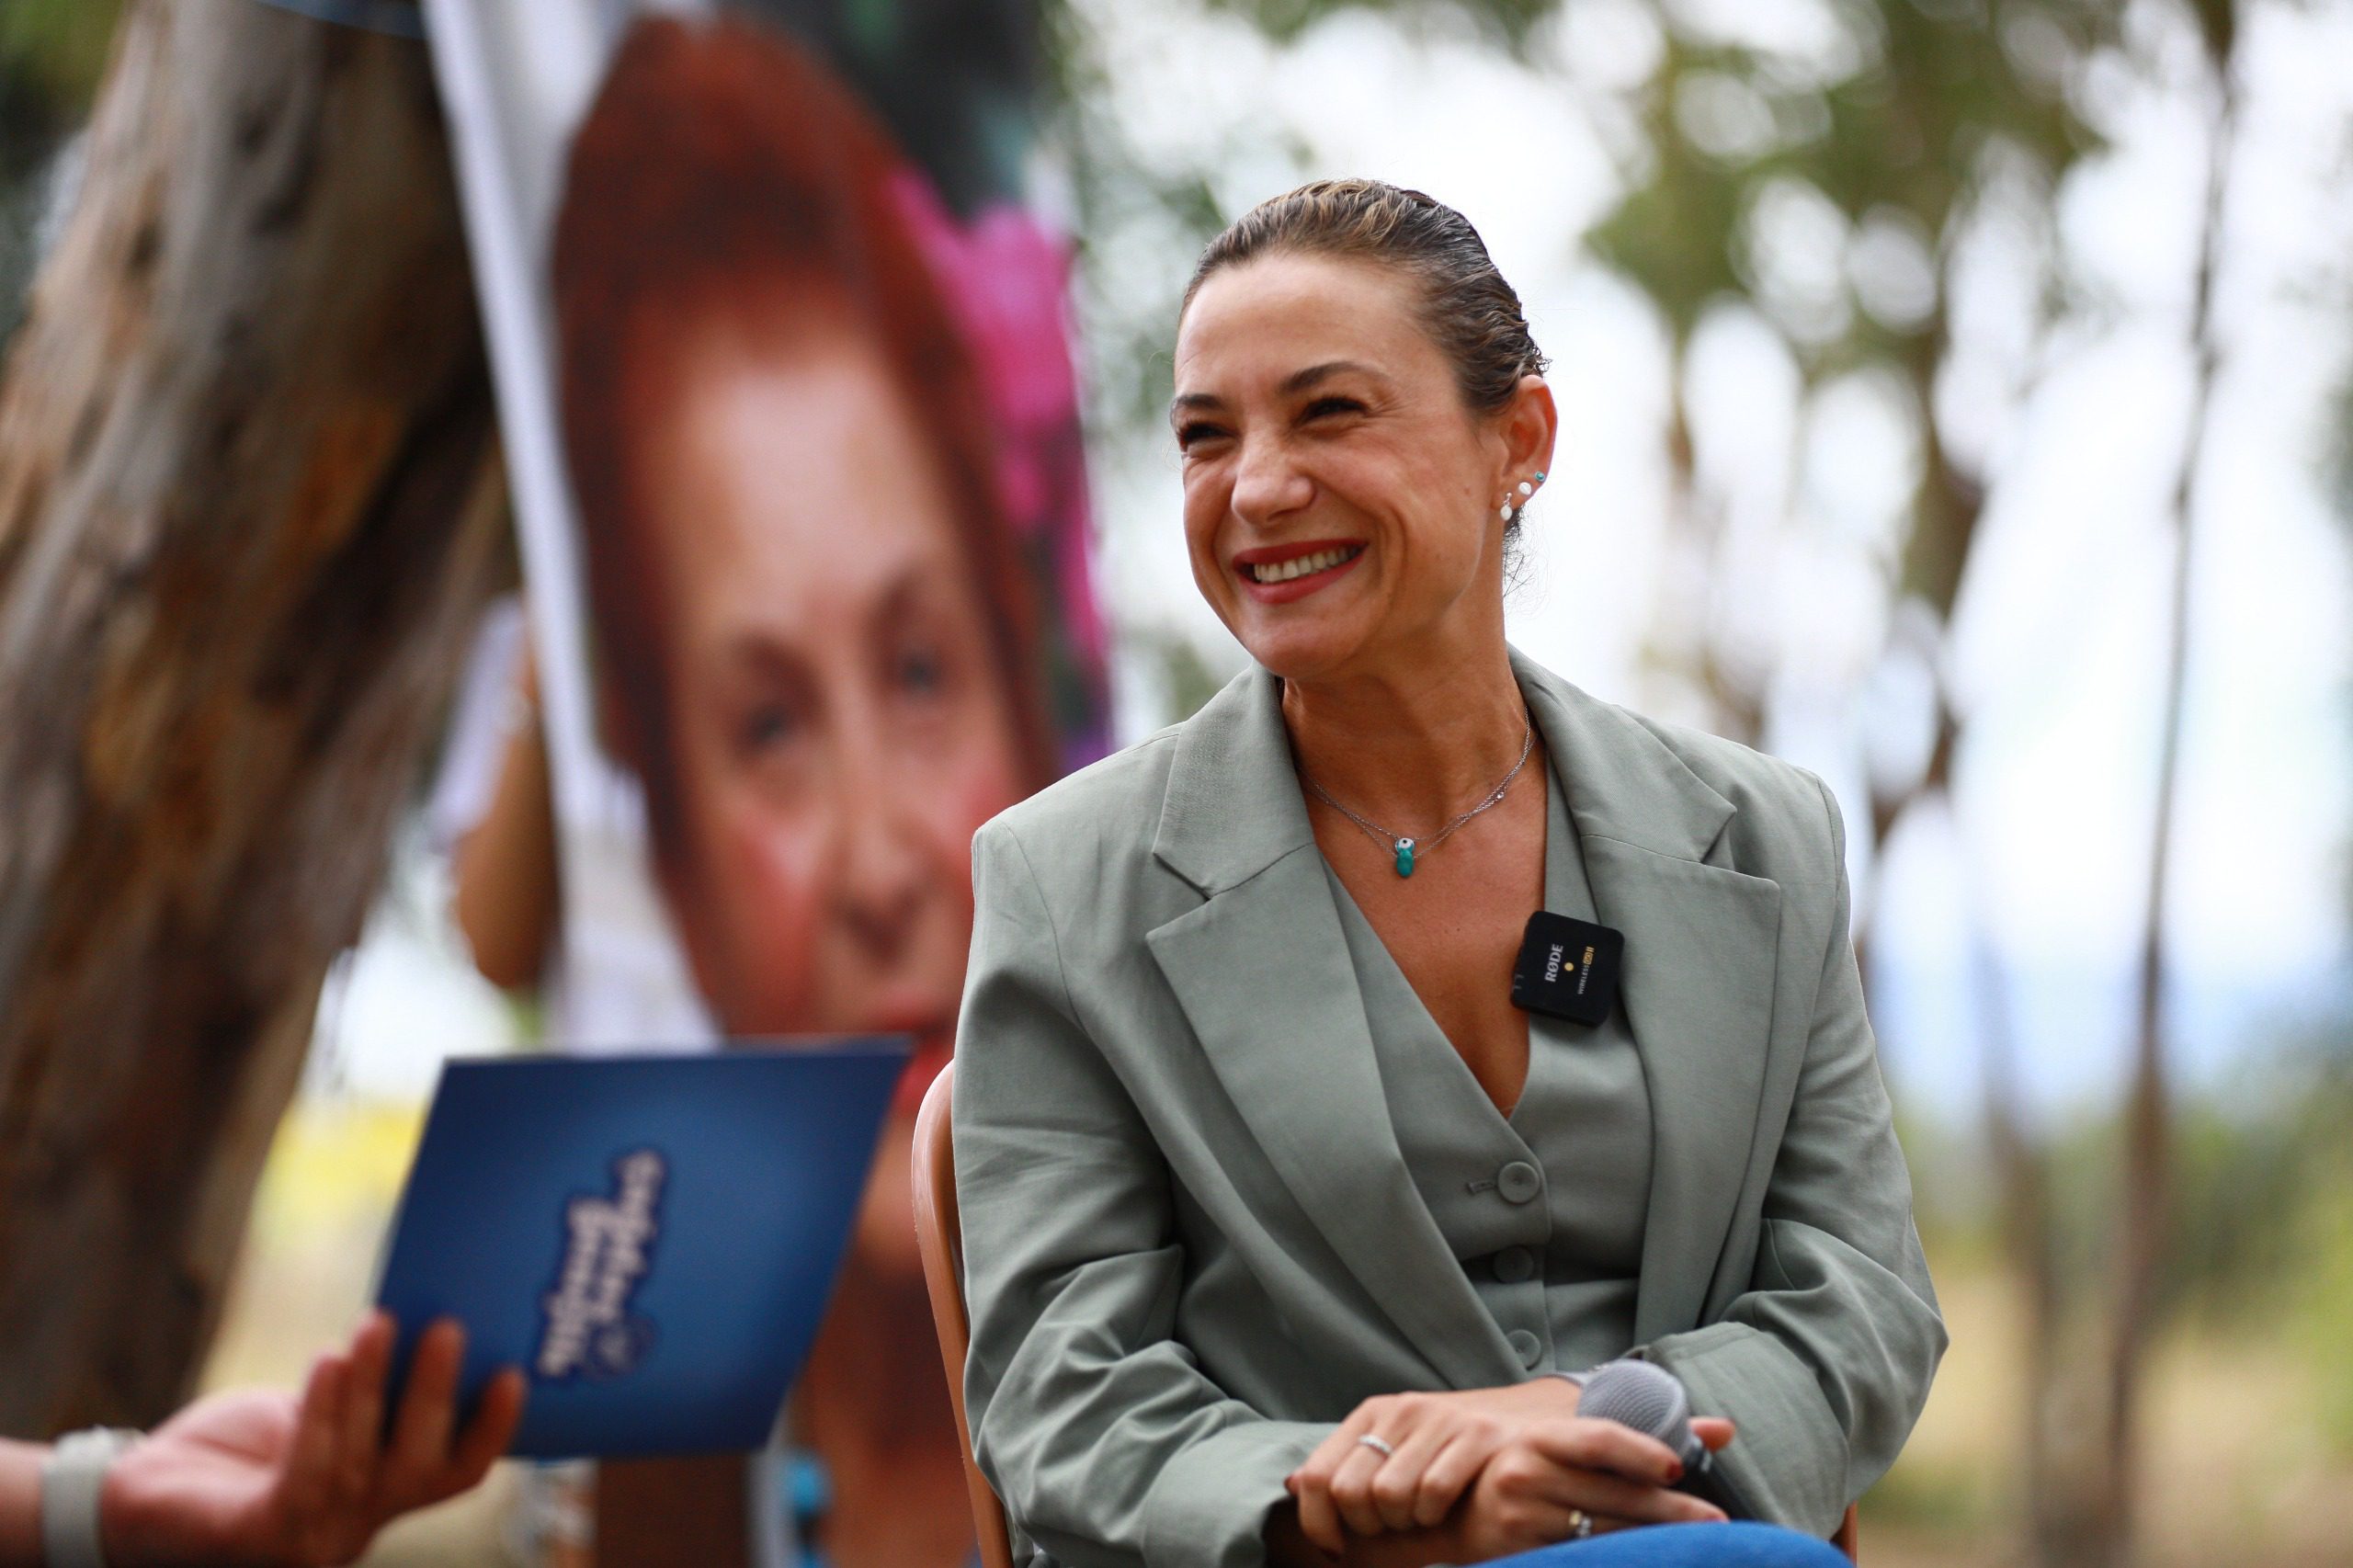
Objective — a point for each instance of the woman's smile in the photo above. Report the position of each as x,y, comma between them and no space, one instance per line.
1278,573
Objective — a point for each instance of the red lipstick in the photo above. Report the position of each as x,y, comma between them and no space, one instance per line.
1296,587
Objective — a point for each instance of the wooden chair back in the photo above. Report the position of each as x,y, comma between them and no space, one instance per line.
941,1242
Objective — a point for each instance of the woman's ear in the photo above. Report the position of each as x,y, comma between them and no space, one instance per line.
1530,422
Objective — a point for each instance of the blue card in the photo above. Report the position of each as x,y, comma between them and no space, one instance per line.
652,1238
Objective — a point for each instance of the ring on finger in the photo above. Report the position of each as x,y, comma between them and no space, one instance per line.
1580,1524
1378,1445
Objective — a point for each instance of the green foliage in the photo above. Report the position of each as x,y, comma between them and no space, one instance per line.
1905,131
2246,1175
1896,128
2317,1318
2238,1192
2296,1268
2261,1222
51,53
1940,1499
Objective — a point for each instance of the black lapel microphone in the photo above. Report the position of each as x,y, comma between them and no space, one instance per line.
1567,968
1653,1401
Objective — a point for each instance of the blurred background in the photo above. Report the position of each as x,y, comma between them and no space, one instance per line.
1957,400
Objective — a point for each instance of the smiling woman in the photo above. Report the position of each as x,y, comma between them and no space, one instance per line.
1293,1202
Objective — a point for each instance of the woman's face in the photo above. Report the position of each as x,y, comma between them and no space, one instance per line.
840,725
1318,422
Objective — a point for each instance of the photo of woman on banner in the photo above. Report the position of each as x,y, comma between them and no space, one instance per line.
822,437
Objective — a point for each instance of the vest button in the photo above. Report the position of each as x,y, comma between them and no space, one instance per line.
1526,1347
1518,1182
1514,1264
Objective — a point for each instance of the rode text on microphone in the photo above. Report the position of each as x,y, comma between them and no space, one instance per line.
1567,968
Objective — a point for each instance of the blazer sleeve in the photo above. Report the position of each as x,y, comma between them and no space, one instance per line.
1824,1361
1105,1442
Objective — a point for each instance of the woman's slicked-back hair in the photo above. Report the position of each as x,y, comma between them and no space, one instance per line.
1466,307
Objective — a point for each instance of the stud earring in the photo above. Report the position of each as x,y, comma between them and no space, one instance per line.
1526,489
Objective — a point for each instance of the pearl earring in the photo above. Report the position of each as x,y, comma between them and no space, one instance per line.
1525,490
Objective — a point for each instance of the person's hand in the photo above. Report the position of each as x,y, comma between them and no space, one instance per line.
1530,1492
1439,1443
1347,1492
1714,1432
256,1477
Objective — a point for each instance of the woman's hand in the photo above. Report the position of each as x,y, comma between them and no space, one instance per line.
255,1477
1439,1443
1553,1462
1532,1490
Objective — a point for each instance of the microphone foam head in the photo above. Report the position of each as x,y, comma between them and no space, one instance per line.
1648,1398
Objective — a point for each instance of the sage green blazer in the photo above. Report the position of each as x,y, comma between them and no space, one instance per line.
1191,1244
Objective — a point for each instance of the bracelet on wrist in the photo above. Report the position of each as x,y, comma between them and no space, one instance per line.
71,1477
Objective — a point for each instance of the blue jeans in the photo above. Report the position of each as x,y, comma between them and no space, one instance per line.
1687,1546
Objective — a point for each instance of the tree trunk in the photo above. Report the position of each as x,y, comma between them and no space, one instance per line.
2146,1203
249,511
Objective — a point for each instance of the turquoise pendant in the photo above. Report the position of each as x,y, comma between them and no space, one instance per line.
1404,856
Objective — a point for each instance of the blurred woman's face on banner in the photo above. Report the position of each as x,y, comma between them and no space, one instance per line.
839,723
795,404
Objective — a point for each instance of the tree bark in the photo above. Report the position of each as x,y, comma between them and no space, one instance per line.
249,509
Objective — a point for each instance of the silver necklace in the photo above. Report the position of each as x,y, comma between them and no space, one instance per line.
1404,847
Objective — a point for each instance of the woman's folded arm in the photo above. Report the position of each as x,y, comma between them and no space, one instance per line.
1106,1443
1825,1362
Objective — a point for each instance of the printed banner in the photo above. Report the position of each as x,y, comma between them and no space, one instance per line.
792,428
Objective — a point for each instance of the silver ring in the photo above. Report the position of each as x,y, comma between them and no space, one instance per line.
1580,1524
1378,1445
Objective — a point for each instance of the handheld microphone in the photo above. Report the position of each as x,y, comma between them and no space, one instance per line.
1653,1401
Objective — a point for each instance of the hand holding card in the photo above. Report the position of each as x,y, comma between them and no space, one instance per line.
652,1239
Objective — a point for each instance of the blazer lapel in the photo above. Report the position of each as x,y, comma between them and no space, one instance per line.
1261,970
1697,977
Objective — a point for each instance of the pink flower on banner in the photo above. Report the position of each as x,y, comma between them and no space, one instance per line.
1006,282
1004,277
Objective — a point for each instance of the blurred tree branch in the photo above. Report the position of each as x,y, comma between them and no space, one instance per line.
2146,1200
